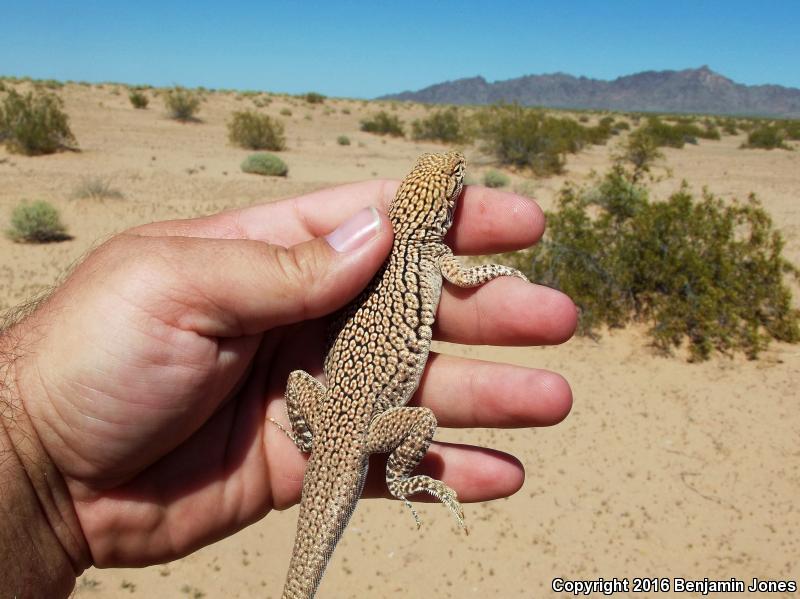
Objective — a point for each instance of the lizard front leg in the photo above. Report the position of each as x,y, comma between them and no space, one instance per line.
407,432
304,396
462,276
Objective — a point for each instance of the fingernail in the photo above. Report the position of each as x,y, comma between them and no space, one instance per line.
355,231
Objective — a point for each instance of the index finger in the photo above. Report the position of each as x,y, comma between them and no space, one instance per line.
486,221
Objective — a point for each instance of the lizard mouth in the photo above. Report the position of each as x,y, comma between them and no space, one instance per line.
451,208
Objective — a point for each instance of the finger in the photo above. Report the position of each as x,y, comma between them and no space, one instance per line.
506,311
229,288
474,393
475,473
487,221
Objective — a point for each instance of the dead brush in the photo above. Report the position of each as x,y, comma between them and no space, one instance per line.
96,188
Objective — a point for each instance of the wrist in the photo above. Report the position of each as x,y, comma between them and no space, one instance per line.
42,547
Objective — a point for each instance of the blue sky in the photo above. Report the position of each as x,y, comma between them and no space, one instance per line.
371,48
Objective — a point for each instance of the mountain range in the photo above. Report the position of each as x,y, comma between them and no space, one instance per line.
690,91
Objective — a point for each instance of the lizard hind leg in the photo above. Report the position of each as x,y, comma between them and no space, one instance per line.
407,432
304,394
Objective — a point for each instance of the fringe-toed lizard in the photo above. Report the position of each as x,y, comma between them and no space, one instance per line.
378,347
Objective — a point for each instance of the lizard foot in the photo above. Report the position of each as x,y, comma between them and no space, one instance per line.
418,484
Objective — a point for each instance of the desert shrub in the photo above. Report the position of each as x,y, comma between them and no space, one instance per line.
640,152
138,99
791,129
345,111
182,104
700,272
286,112
525,137
36,222
685,130
343,140
34,123
599,134
495,178
96,188
710,132
664,134
728,126
2,86
383,123
50,83
314,98
254,131
265,164
444,126
766,137
621,126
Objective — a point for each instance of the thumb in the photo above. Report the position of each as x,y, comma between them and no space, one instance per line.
247,287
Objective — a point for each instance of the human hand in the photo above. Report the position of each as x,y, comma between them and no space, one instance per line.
148,377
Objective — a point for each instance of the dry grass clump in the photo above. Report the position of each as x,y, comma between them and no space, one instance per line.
96,188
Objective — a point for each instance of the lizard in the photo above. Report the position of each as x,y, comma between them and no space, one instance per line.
377,349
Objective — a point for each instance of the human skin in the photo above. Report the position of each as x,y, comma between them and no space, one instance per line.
135,399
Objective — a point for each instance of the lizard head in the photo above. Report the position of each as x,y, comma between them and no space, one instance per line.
427,197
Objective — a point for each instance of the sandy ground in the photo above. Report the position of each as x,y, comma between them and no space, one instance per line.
663,469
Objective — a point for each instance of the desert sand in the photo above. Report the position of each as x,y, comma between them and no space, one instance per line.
663,468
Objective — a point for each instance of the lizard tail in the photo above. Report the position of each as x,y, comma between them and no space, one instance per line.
329,499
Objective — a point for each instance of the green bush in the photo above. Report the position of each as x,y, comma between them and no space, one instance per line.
182,104
526,137
2,86
685,130
138,99
444,126
254,131
495,178
286,112
383,123
791,129
36,222
314,98
343,140
728,126
766,137
641,152
265,164
34,123
701,272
